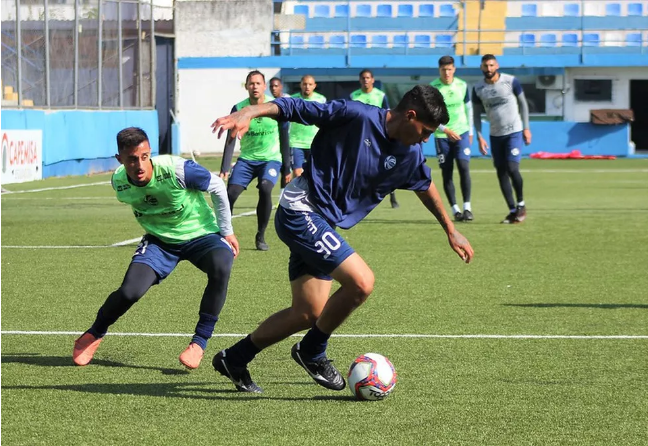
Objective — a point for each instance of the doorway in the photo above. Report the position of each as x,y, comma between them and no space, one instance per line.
639,105
165,90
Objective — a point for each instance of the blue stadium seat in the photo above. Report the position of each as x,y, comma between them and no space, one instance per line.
426,11
301,9
384,11
447,10
401,41
591,39
422,41
529,10
570,40
297,41
443,41
548,40
571,10
358,41
337,41
613,9
322,11
379,41
635,9
316,42
633,39
363,11
341,11
527,40
405,11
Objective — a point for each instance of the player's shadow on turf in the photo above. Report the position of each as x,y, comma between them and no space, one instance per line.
195,390
602,306
66,361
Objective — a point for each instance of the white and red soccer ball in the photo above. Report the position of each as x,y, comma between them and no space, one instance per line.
371,377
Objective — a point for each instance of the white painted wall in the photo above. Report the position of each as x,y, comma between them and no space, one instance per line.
205,95
621,77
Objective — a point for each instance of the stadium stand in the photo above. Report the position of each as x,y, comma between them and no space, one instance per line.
405,11
384,11
426,11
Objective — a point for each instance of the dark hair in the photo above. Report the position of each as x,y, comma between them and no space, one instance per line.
130,137
428,104
366,70
273,79
253,73
487,57
446,60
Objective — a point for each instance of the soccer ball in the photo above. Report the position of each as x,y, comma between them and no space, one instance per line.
371,377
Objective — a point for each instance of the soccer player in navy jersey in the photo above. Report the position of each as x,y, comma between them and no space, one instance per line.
359,156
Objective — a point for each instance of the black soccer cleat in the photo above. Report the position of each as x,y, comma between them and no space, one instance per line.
240,376
321,370
467,216
510,218
458,216
520,214
261,245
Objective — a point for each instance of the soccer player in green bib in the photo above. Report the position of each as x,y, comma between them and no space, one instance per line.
265,154
166,194
453,140
368,94
301,136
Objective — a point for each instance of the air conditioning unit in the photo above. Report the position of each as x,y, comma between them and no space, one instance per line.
550,82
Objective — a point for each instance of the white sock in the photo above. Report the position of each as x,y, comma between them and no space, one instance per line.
521,203
455,209
467,206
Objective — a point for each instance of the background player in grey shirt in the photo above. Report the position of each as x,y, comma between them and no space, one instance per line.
501,96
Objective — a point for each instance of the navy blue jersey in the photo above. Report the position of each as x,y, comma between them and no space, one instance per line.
354,164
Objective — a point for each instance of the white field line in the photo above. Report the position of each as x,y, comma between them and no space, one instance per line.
74,186
372,335
567,170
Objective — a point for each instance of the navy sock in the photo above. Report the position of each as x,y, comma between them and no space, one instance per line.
204,329
100,326
243,352
314,343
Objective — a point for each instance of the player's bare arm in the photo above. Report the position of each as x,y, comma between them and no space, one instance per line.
459,244
239,122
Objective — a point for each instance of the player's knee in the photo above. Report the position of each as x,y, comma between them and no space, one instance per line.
363,287
130,294
513,167
266,186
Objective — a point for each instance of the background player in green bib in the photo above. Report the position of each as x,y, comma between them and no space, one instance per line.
265,154
453,140
301,136
166,194
368,94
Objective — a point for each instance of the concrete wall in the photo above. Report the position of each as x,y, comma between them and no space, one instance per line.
80,142
206,95
223,28
621,77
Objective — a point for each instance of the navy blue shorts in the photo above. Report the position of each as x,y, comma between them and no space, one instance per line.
315,248
448,151
244,171
507,148
164,257
299,157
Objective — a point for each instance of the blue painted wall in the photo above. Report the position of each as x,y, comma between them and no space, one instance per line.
563,137
81,142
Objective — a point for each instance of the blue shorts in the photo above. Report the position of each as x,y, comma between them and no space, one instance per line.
164,257
299,157
315,248
448,151
507,148
244,171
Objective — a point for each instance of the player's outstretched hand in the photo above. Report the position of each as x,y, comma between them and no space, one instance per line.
231,239
238,123
461,246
